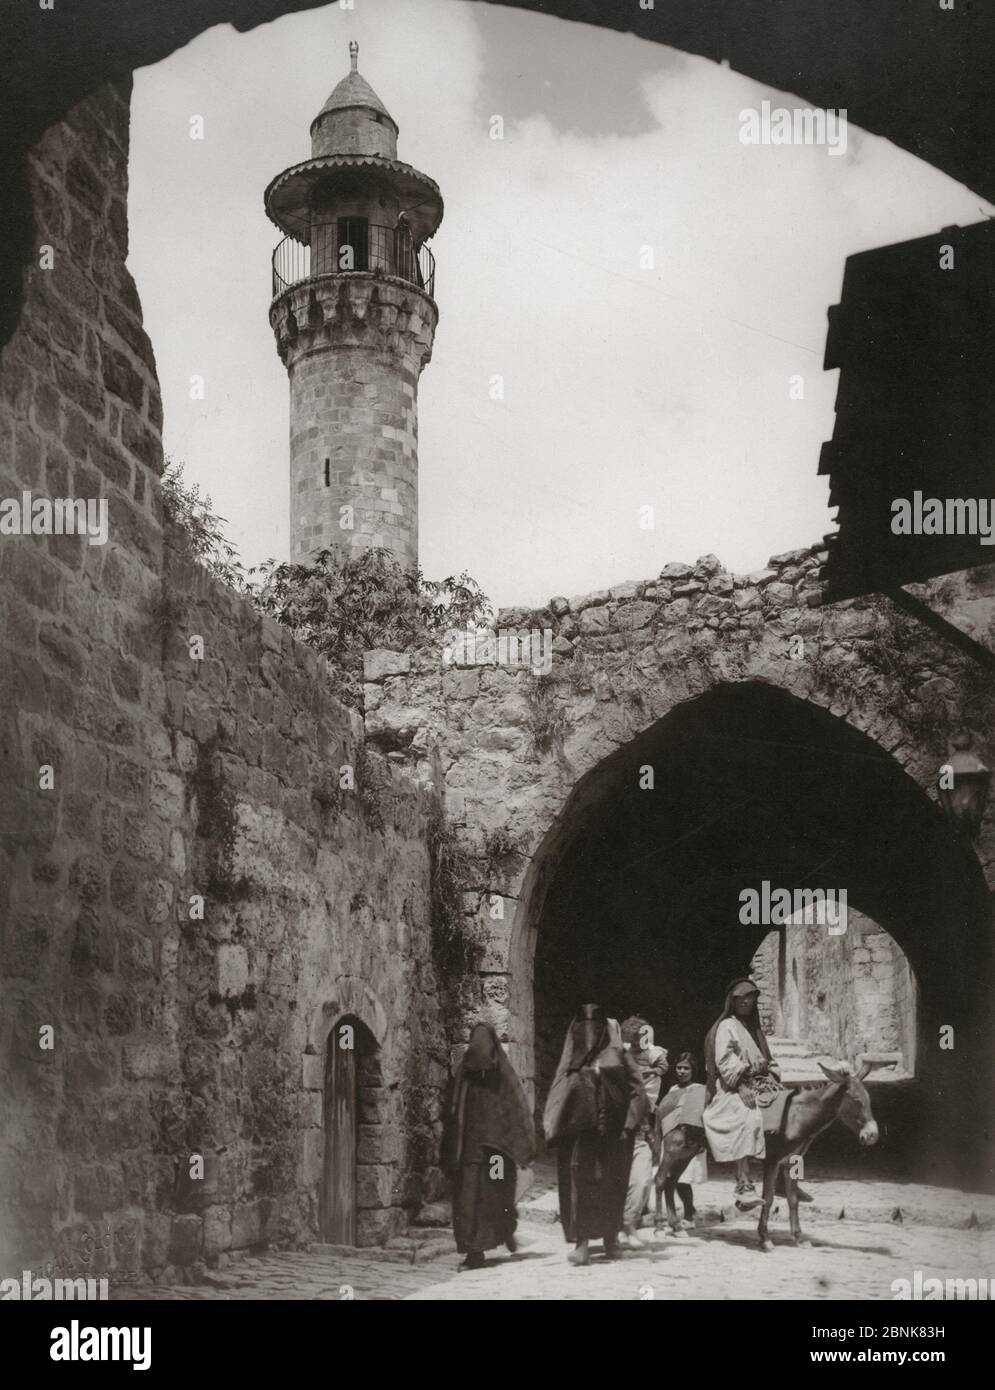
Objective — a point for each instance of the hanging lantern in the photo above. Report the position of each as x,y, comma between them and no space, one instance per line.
964,785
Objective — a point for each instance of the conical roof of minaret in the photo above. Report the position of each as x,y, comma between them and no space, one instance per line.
354,90
354,93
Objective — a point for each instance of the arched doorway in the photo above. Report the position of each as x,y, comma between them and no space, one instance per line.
351,1071
634,899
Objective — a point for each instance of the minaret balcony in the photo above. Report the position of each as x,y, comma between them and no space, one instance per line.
369,249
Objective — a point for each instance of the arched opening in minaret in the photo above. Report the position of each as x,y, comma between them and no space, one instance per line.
635,901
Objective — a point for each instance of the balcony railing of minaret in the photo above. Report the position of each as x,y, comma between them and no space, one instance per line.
359,246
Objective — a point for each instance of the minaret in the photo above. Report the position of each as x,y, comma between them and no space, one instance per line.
354,320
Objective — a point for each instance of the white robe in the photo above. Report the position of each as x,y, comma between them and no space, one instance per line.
733,1130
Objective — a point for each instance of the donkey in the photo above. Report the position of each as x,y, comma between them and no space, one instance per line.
843,1097
810,1111
673,1152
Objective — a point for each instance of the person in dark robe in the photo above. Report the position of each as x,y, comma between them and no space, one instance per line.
490,1135
594,1108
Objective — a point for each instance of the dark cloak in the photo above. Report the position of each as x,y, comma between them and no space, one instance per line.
489,1120
752,1026
594,1106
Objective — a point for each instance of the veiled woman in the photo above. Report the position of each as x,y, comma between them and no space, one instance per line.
490,1136
593,1110
738,1066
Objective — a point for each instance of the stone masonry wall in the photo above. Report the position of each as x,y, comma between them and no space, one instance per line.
142,773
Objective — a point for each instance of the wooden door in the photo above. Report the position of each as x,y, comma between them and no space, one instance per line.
338,1219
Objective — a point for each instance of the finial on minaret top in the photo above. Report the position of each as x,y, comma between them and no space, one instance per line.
353,55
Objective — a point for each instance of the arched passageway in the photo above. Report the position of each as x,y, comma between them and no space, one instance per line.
634,899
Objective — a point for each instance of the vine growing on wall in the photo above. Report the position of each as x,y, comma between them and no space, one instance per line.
501,846
547,718
197,529
345,604
341,604
216,825
456,939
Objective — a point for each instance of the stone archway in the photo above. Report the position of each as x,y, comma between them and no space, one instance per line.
633,897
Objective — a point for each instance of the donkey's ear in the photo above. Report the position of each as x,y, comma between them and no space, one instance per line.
837,1073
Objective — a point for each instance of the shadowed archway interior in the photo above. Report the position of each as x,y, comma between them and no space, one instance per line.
636,899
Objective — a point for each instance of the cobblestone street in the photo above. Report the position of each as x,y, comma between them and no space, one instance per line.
853,1257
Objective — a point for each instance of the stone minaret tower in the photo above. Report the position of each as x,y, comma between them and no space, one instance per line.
354,320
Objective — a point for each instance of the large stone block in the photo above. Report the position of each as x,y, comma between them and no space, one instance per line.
375,1185
380,1144
461,684
593,600
233,970
217,1231
246,1225
186,1240
98,1189
376,1227
149,1061
593,620
312,1072
746,599
121,377
631,615
380,663
155,1240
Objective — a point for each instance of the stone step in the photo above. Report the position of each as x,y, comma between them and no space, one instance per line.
422,1244
435,1214
792,1047
423,1235
799,1061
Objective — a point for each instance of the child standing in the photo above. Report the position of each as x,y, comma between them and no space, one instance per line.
683,1105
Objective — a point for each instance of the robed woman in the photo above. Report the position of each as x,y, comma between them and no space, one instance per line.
593,1109
490,1135
739,1073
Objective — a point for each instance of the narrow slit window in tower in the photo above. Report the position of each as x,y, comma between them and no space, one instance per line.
328,472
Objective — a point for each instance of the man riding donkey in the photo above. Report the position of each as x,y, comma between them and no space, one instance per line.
750,1115
743,1081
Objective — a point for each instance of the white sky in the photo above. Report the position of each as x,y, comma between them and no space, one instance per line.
623,387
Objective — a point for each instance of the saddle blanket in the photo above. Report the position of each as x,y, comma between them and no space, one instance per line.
773,1114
